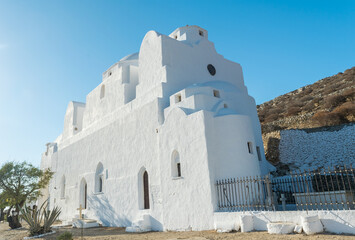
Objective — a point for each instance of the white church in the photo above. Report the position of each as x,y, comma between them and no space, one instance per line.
154,136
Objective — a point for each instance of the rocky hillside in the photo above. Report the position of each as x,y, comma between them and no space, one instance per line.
327,102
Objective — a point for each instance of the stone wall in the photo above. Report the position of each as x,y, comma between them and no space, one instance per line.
317,147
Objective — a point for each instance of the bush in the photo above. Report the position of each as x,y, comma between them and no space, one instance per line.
349,94
297,103
334,101
276,111
271,118
346,110
65,236
292,111
34,218
307,91
328,90
306,99
261,118
328,119
309,107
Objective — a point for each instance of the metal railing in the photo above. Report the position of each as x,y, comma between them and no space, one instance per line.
317,189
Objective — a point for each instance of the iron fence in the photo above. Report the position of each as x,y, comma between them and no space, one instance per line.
317,189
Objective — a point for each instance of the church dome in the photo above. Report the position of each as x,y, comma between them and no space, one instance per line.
130,57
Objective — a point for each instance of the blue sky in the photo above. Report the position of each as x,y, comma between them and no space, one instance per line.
52,52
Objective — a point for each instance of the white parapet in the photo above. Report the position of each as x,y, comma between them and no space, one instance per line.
311,225
246,223
335,221
280,228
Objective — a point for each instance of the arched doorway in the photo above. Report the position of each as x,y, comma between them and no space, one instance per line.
83,193
146,190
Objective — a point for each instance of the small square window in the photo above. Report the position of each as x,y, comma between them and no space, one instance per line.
200,33
225,105
250,147
258,152
216,93
178,169
177,98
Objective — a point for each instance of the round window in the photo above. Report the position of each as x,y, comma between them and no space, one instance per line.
211,69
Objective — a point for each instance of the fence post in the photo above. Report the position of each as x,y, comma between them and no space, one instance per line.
269,192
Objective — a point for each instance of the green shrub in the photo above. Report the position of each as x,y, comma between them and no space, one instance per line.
65,236
35,217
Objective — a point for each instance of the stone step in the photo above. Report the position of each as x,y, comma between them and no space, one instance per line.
85,223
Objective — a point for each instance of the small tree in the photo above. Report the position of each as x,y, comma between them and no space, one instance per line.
3,204
21,182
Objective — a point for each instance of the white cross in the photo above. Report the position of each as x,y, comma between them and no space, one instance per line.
80,209
283,200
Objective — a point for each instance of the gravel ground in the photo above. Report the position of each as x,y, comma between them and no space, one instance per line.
110,233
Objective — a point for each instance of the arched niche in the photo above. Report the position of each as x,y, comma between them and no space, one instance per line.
99,178
83,193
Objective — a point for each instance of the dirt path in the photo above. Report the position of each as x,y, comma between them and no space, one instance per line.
108,233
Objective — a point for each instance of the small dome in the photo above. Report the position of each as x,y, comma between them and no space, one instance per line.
130,57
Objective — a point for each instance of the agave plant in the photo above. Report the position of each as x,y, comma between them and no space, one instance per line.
35,217
49,218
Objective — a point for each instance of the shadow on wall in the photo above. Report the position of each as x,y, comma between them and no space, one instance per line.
337,224
104,212
155,224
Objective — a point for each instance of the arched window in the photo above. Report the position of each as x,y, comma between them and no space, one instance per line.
62,187
83,193
175,164
99,173
143,189
102,92
146,190
100,184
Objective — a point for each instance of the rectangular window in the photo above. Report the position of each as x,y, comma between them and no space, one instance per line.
179,169
216,93
250,147
177,98
258,152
